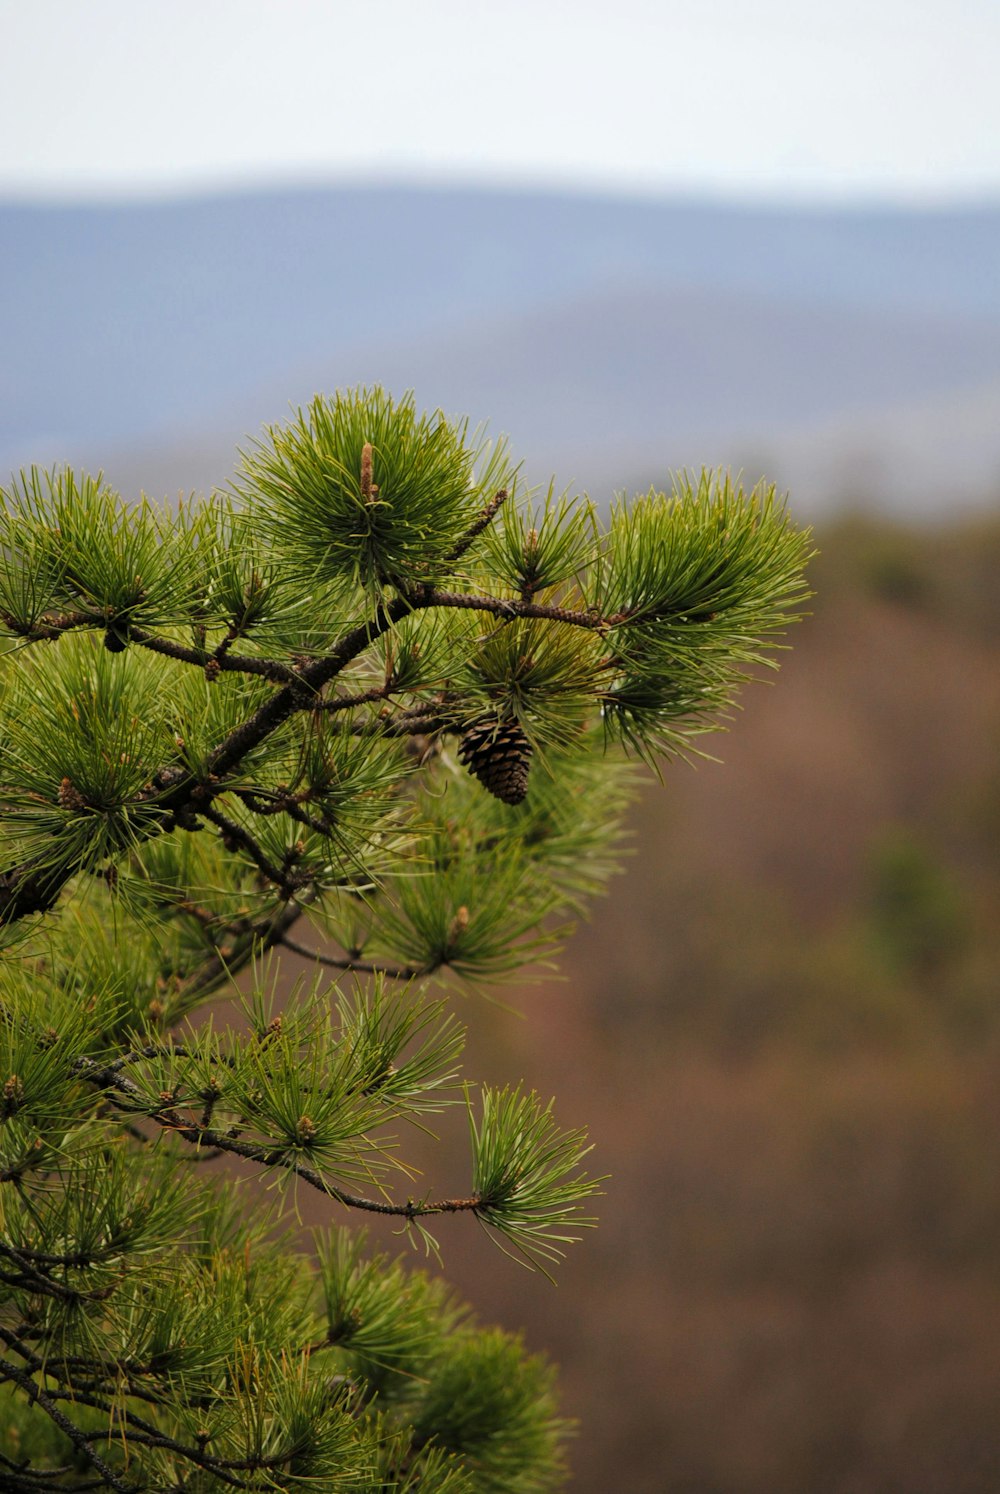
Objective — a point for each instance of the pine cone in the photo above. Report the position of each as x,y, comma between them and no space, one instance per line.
499,754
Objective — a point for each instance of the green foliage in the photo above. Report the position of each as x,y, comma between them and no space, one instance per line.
527,1174
82,731
222,726
305,486
704,581
537,547
70,544
916,908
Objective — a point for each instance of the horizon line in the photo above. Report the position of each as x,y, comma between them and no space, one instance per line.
234,185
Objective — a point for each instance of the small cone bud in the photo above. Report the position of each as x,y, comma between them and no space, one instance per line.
70,797
368,491
459,924
13,1096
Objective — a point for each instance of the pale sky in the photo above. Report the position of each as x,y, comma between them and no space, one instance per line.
778,98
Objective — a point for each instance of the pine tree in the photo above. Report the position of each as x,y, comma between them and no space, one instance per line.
374,704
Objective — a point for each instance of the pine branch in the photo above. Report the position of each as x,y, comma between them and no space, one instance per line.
272,669
314,676
483,522
37,1284
35,1393
235,837
31,886
248,938
108,1077
35,1278
50,626
22,1478
406,724
351,702
311,680
25,890
271,802
363,967
145,1434
510,608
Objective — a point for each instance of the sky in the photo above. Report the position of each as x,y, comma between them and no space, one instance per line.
857,99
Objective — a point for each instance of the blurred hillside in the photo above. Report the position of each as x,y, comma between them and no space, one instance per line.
783,1030
614,339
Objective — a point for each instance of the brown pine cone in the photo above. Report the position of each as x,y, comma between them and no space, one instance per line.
499,754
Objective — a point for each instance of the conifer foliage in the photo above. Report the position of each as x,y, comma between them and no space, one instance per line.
300,716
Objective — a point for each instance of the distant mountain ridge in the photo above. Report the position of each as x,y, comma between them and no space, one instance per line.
611,338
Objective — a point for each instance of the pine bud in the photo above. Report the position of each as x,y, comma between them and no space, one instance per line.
13,1096
70,797
270,1032
369,491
